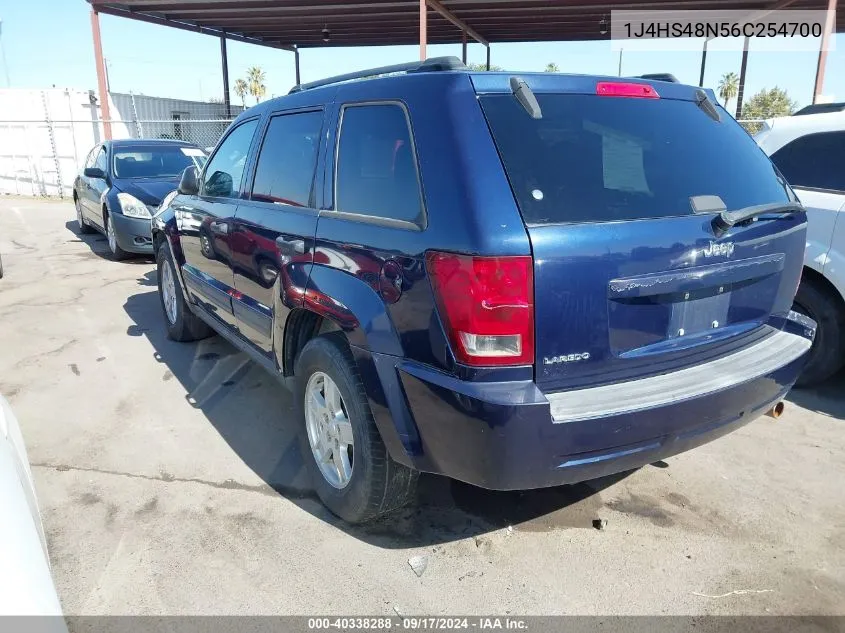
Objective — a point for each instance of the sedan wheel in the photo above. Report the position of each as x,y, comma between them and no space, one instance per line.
117,253
82,225
110,234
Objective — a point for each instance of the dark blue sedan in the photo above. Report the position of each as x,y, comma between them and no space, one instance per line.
123,183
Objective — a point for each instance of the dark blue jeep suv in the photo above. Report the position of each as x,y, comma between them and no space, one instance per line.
515,280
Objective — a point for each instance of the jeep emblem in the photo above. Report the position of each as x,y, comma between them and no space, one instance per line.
714,248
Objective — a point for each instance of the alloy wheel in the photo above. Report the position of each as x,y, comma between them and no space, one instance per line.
329,429
168,292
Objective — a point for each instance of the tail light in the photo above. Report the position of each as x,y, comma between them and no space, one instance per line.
625,89
487,306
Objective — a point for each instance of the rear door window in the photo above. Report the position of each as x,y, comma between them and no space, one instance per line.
288,159
594,158
377,164
814,161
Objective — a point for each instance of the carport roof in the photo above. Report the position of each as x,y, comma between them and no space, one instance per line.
299,23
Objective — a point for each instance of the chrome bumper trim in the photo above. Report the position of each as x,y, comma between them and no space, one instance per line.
760,359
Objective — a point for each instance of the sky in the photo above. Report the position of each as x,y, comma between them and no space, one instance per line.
48,43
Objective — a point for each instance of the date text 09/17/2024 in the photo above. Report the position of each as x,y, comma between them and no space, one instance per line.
418,623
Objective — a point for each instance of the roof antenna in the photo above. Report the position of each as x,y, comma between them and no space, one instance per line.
526,98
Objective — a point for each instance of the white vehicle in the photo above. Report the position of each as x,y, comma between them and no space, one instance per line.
26,586
809,150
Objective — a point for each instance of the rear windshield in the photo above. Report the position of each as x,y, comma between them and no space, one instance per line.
155,161
596,159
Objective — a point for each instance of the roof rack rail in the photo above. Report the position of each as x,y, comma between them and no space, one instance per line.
432,64
659,77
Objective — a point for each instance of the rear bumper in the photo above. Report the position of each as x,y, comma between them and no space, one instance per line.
133,234
504,436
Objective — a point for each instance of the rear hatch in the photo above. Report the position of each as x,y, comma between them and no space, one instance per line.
629,280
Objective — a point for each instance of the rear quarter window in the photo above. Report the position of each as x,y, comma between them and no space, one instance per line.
594,159
377,172
814,161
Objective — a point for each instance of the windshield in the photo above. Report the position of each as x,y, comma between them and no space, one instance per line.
593,158
155,162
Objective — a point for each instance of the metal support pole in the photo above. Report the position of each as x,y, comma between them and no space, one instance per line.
820,65
741,89
703,62
620,63
296,63
464,46
423,29
488,57
101,74
225,58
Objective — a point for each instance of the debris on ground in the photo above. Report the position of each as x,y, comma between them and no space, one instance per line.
735,592
600,524
418,564
483,544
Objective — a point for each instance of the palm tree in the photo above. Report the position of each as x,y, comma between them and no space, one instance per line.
255,79
241,88
551,67
728,87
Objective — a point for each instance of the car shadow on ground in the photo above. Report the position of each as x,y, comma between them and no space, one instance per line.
827,398
99,245
254,414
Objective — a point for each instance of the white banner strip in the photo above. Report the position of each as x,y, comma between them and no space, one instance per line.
798,30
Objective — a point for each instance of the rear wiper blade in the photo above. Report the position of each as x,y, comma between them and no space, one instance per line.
707,106
525,97
726,219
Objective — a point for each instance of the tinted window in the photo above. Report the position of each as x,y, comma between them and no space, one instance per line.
223,174
288,159
816,161
168,161
592,158
100,161
376,165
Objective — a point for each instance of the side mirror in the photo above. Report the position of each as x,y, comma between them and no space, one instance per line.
189,184
94,172
219,185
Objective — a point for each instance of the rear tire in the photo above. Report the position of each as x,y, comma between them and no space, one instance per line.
182,324
377,484
81,224
827,355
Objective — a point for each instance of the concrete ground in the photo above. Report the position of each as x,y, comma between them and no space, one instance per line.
170,483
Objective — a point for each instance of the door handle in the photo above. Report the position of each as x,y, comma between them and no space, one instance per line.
290,246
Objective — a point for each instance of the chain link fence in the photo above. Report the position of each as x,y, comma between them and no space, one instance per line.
752,126
46,135
42,158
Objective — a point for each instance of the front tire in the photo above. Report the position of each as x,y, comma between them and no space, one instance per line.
117,253
827,355
182,324
366,483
